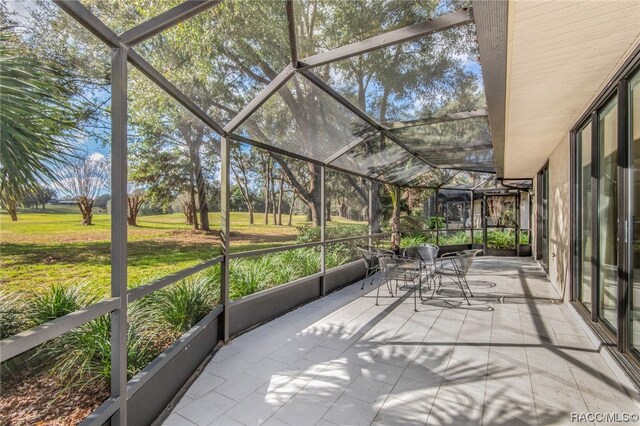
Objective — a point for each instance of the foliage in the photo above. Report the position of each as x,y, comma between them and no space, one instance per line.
455,238
36,113
57,301
308,234
436,222
177,308
501,239
411,240
12,314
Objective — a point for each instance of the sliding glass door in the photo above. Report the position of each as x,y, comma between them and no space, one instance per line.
585,254
608,213
634,132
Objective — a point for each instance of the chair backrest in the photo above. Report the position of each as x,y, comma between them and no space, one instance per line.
367,256
465,259
411,252
386,261
428,253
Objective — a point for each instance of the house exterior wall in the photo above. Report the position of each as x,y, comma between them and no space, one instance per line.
559,219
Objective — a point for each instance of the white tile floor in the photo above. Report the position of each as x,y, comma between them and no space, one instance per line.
515,356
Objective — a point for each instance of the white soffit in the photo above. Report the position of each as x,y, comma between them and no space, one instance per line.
560,54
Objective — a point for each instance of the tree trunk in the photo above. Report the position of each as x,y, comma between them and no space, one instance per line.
12,209
86,206
273,198
394,223
344,209
267,176
203,206
293,202
327,211
134,202
376,210
280,195
187,209
194,212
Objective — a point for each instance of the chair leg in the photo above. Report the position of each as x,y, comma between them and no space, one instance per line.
464,293
378,290
467,284
365,280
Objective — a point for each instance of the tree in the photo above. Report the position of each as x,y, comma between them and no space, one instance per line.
83,180
35,115
135,199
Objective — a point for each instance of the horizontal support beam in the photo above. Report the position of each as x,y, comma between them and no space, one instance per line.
454,116
88,20
29,339
154,75
275,84
143,290
412,32
165,20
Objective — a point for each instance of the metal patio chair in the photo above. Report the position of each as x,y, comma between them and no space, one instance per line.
370,258
455,266
399,268
427,254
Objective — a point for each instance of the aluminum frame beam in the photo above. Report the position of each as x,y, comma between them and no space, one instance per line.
15,345
348,147
225,228
119,78
165,20
454,116
154,75
291,27
266,93
412,32
88,20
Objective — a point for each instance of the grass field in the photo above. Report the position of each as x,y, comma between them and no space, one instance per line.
51,246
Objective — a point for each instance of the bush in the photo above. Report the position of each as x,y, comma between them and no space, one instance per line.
12,314
501,239
178,307
309,234
458,238
411,240
57,301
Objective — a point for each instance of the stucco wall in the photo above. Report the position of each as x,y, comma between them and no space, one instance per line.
559,225
559,218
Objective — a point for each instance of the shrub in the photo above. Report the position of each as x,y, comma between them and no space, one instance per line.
308,234
12,314
81,358
501,239
460,237
178,307
248,276
57,301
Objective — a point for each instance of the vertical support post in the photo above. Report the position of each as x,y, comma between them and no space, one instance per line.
473,217
437,222
370,212
119,231
518,224
398,201
484,224
225,169
323,226
625,216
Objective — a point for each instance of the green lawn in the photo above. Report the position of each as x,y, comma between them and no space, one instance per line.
51,246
